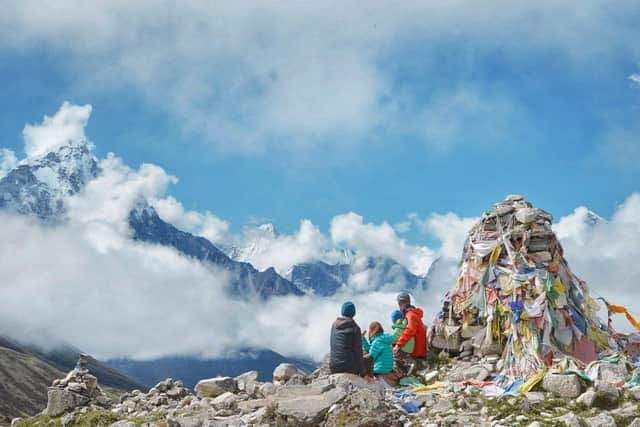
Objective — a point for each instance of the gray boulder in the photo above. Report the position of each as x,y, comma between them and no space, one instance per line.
571,420
601,420
284,371
587,398
606,395
60,401
214,387
123,423
226,400
567,386
307,410
612,372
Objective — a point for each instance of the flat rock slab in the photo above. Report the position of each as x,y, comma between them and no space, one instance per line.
308,410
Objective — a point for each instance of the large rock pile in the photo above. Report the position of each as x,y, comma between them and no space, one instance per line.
78,389
517,297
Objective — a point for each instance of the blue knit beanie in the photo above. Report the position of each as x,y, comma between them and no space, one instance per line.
396,315
348,309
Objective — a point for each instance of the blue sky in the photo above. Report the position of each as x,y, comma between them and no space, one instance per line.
398,112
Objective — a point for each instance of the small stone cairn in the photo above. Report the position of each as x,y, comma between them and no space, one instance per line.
78,389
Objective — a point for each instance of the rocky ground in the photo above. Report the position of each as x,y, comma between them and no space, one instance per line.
294,398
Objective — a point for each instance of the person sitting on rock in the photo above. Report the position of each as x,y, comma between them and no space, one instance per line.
415,329
378,359
399,324
346,343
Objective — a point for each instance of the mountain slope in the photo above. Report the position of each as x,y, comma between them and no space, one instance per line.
23,382
26,372
38,187
245,279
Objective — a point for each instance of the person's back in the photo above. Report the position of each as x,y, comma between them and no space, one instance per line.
346,343
380,351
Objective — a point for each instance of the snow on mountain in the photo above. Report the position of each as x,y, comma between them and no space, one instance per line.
257,242
38,186
576,225
326,270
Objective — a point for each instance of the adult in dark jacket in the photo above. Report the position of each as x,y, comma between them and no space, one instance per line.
346,343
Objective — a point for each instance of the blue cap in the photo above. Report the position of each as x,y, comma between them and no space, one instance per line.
348,309
396,315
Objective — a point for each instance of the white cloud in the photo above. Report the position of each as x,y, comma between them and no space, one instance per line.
8,161
606,255
264,248
109,198
379,240
449,228
635,79
249,77
66,126
204,224
465,113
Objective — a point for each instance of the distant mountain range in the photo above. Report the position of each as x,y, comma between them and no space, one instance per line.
321,277
192,369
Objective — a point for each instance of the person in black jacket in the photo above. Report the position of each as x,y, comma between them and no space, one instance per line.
346,343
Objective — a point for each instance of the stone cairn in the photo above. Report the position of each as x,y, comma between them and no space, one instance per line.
79,388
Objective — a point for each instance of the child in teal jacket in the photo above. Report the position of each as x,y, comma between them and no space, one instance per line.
379,348
398,324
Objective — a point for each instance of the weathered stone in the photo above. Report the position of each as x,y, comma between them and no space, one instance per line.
567,386
226,400
123,423
635,423
246,406
634,392
186,421
247,376
606,395
601,420
442,405
587,398
476,372
67,419
534,424
308,410
535,397
612,372
251,388
214,387
60,401
267,389
296,379
284,371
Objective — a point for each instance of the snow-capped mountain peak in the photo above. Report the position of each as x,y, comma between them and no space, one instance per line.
38,185
581,221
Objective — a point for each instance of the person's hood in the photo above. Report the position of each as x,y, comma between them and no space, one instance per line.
345,323
415,311
385,338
